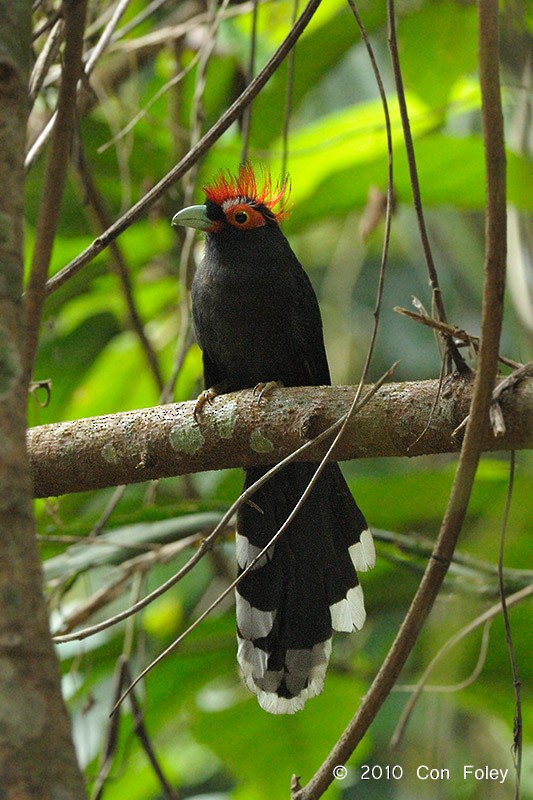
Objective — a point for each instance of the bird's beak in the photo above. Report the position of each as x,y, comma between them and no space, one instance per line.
193,217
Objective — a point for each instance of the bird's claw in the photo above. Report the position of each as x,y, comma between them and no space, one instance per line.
207,396
262,389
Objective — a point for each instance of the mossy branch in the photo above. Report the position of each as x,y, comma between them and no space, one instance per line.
237,431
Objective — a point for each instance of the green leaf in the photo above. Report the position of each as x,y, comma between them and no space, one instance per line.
64,360
296,744
437,45
326,41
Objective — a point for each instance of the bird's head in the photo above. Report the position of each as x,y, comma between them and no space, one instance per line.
237,203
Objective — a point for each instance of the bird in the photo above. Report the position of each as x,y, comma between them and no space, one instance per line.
258,324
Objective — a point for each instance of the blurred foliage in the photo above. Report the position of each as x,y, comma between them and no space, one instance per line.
212,739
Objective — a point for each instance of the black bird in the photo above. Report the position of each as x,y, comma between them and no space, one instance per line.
258,323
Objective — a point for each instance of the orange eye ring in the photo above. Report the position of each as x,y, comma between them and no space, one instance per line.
244,216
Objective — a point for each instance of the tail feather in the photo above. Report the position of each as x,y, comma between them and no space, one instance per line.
305,585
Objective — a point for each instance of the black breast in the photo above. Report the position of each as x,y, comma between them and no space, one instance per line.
255,313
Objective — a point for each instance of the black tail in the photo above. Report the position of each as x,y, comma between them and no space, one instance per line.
304,587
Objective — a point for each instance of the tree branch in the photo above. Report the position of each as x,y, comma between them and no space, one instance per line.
163,441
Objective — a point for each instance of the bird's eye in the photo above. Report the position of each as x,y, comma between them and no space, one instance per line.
244,217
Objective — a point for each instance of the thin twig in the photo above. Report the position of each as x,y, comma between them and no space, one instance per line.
517,729
122,678
108,511
49,23
487,616
471,573
137,19
433,406
288,100
496,415
113,589
247,114
170,33
415,187
390,186
182,348
186,266
54,180
421,686
110,743
452,688
97,205
111,737
174,81
453,331
102,16
188,161
216,15
142,734
106,36
46,58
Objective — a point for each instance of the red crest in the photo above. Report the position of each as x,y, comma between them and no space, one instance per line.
244,187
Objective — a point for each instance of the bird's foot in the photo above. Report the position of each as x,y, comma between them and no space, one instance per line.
207,396
262,389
